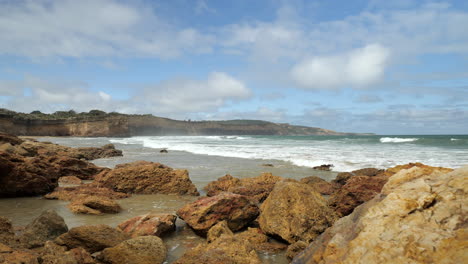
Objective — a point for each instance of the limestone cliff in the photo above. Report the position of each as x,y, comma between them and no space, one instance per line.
97,123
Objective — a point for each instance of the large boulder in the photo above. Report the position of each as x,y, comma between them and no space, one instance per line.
147,178
46,226
256,188
149,224
139,250
91,153
226,249
204,213
92,238
94,205
320,185
343,177
295,211
419,217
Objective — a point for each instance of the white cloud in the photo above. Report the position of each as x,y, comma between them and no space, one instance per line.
358,68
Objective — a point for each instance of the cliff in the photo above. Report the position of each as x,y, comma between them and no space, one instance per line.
97,123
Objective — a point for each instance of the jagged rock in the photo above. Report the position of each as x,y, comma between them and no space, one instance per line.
343,177
94,205
74,167
149,224
320,185
7,235
204,213
323,167
55,254
226,249
295,211
19,257
419,217
70,180
256,188
260,242
70,193
139,250
221,228
46,226
92,238
11,139
147,178
92,153
295,249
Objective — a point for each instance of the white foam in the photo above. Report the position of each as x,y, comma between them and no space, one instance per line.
453,139
397,140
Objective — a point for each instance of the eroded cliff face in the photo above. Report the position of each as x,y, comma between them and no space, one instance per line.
120,125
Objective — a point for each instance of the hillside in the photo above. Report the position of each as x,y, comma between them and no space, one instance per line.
98,123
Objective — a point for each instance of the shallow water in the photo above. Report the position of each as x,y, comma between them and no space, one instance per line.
202,169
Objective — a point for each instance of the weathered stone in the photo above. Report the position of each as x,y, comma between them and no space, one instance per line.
147,178
52,253
323,167
70,180
221,228
46,226
149,224
94,205
92,238
320,185
11,139
139,250
256,188
226,249
204,213
19,257
295,249
70,193
6,231
259,241
419,217
295,211
5,249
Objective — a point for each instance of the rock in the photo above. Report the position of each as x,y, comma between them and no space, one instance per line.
343,177
70,180
92,153
70,193
6,230
55,254
259,241
257,188
94,205
357,190
319,185
204,213
18,150
150,224
267,165
295,249
323,167
74,167
5,249
92,238
295,211
46,226
163,151
139,250
19,257
147,178
226,249
419,217
11,139
221,228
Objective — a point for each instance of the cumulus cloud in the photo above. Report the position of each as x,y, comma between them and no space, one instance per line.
43,28
358,68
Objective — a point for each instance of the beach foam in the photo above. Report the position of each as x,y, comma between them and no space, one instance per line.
397,140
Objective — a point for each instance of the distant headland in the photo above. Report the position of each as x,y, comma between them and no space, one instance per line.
96,123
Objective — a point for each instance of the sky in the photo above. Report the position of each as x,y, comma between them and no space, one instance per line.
387,67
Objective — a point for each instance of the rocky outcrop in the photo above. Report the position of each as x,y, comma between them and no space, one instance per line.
94,205
419,217
204,213
139,250
46,226
295,211
70,193
226,249
92,238
319,185
150,224
147,178
256,188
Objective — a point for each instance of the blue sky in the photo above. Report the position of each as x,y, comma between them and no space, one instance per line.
388,67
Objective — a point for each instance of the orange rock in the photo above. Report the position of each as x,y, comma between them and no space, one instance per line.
149,224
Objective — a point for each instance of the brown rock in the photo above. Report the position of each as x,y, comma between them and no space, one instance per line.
11,139
260,242
74,167
257,188
221,228
19,257
6,231
419,213
92,153
295,211
94,205
226,249
5,249
150,224
55,254
323,167
46,226
92,238
70,180
320,185
295,249
204,213
147,178
139,250
70,193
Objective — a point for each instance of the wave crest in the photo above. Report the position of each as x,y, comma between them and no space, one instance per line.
397,140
